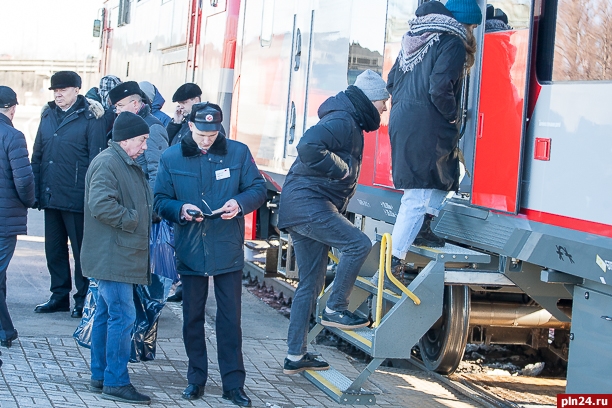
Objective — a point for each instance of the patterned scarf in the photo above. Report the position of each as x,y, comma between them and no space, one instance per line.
106,84
424,31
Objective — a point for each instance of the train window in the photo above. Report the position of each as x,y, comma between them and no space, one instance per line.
515,14
124,13
367,37
267,20
583,32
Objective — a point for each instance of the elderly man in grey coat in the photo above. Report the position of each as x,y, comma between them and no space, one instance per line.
118,210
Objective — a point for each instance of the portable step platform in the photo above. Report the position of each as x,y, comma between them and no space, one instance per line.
409,316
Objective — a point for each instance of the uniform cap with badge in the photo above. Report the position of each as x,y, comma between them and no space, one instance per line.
206,116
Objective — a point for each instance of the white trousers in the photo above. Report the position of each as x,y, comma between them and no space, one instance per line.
416,202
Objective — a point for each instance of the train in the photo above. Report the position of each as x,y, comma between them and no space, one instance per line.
535,125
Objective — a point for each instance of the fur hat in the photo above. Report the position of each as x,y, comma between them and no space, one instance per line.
372,85
123,90
65,79
8,97
128,125
465,11
206,116
186,91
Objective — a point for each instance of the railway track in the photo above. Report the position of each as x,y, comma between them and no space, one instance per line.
492,388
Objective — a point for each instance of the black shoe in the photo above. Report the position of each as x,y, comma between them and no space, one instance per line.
127,393
426,237
96,386
0,363
77,312
238,397
344,320
178,295
9,342
308,362
54,305
193,391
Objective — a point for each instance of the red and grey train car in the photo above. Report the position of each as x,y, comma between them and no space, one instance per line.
537,141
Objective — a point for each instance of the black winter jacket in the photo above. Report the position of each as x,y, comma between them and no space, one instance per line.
186,175
326,152
16,182
424,102
63,151
176,131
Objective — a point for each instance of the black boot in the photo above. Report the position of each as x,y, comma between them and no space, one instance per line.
178,294
426,237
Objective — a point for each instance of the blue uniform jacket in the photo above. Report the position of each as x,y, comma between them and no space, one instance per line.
186,175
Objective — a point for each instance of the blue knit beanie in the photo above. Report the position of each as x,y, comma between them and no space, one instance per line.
465,11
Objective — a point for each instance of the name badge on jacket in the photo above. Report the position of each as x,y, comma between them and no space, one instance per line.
222,174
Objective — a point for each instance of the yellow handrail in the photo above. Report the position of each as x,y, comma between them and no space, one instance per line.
385,267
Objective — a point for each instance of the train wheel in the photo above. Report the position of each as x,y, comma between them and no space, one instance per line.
442,347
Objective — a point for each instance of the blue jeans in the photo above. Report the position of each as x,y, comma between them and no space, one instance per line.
312,243
112,327
7,248
416,202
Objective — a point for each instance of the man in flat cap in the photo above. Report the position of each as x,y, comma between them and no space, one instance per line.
118,207
128,97
205,186
16,196
71,133
185,96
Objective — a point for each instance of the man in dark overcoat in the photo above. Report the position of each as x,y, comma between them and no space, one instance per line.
425,85
118,210
71,133
128,97
185,97
16,195
205,185
313,203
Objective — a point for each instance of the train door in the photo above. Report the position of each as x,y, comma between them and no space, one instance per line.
211,63
501,119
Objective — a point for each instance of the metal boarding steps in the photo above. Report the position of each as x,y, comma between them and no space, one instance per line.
391,336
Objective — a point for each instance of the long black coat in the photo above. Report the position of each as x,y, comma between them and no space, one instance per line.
424,102
16,180
62,153
325,153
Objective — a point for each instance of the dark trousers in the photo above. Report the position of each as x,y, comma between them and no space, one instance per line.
59,226
228,291
7,248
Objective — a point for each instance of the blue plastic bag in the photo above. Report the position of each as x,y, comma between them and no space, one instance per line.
148,301
162,250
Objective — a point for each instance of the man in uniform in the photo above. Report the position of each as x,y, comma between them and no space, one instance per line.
205,186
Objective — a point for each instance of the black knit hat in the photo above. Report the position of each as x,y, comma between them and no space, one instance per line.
8,97
65,79
206,116
186,91
123,90
128,125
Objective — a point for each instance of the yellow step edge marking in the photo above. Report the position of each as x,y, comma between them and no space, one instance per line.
325,382
430,249
358,337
